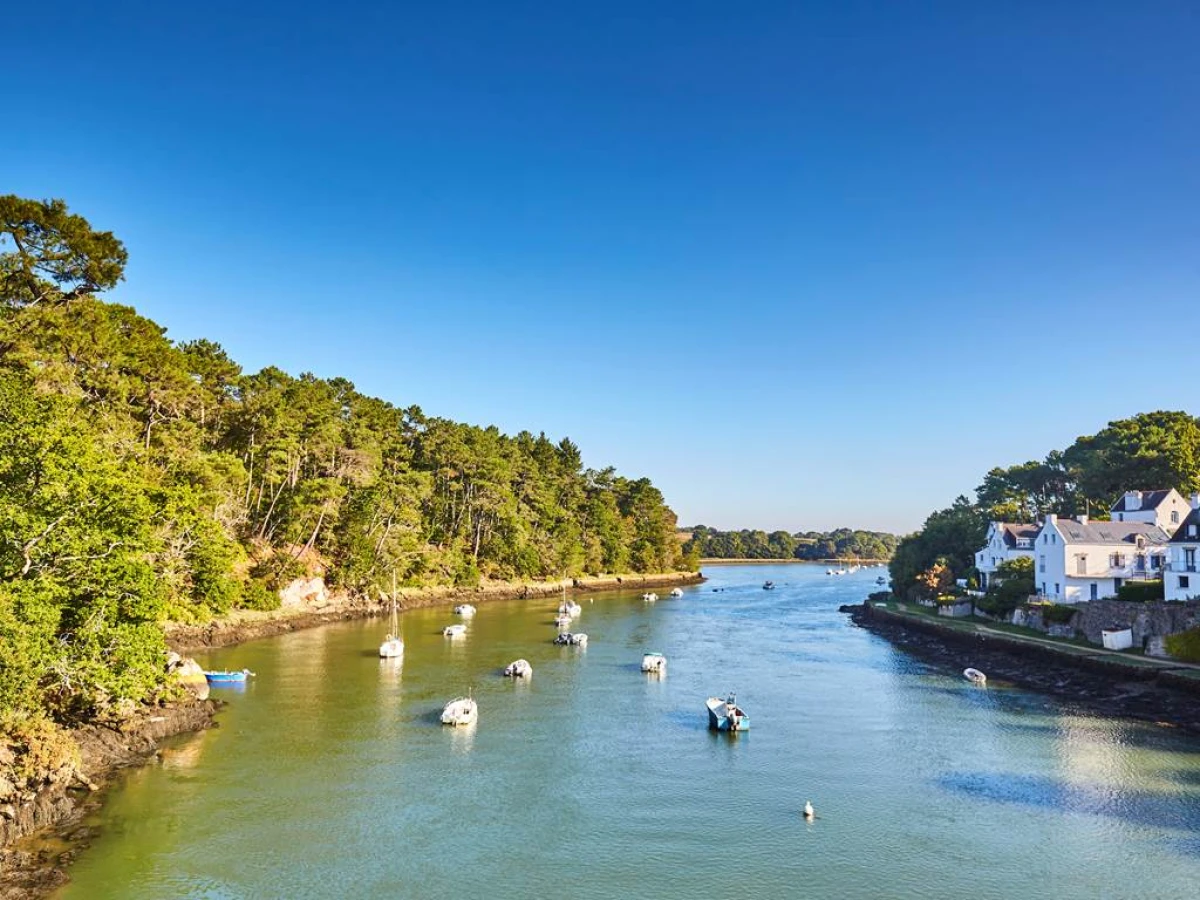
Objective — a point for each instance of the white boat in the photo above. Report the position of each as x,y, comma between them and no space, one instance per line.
562,620
829,571
462,711
649,598
573,639
457,630
726,715
677,592
392,646
519,669
466,610
654,662
570,608
974,676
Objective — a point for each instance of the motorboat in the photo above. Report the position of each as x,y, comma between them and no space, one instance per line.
726,715
572,639
466,610
224,677
519,669
462,711
677,592
655,663
768,585
974,676
457,630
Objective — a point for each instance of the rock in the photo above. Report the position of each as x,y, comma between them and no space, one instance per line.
7,788
305,592
8,811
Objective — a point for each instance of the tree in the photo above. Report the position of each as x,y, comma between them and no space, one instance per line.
56,256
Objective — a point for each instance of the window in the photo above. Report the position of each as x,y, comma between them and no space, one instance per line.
1174,517
1054,538
1183,581
1189,558
1156,561
1056,589
1081,564
1042,563
1140,561
1117,560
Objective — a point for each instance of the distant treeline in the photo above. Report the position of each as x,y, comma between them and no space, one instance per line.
749,544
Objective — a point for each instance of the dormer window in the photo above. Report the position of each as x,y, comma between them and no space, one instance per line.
1141,542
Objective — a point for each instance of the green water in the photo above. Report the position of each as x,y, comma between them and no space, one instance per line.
330,775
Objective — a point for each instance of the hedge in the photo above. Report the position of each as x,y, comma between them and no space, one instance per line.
1140,591
1184,646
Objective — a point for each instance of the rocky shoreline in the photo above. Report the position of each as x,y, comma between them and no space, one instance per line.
1102,687
249,626
43,833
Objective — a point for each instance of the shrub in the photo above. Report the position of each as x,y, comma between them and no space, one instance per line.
1057,613
1184,646
1140,591
258,594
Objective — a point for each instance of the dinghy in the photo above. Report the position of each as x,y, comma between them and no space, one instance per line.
654,663
227,677
974,676
454,630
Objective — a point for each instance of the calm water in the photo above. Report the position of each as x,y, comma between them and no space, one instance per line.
331,777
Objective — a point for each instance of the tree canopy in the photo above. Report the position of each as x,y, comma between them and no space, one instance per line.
143,480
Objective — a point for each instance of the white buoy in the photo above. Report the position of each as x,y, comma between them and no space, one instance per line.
808,810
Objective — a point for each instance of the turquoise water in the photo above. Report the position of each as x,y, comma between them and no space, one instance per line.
330,775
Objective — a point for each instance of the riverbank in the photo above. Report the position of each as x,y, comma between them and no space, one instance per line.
1102,682
43,832
247,625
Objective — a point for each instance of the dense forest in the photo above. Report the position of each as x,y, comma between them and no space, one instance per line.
842,543
1150,451
143,480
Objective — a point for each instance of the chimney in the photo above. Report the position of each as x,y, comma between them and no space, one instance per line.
1133,500
1051,518
1083,520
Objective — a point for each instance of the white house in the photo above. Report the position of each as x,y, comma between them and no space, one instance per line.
1181,581
1005,541
1166,509
1077,560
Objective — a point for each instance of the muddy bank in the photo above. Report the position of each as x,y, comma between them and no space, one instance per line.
247,626
42,833
1099,685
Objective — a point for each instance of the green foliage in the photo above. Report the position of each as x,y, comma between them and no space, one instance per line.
950,536
1057,613
137,476
1012,585
1141,591
843,543
1184,646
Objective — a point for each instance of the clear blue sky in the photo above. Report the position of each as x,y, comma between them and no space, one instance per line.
803,265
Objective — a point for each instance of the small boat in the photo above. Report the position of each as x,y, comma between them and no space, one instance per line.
649,598
572,639
726,715
462,711
519,669
829,571
974,676
227,677
466,610
457,630
392,646
562,620
570,608
677,592
768,585
654,662
881,580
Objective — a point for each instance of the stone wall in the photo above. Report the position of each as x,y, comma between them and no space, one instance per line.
1146,620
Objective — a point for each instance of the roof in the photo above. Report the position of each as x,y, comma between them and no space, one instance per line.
1150,500
1116,533
1193,518
1011,532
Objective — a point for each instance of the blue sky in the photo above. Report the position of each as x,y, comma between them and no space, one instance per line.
803,265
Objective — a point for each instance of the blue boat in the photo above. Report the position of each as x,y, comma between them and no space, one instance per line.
228,677
726,715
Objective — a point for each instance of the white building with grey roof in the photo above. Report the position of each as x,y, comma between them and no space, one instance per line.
1166,509
1077,560
1005,541
1181,581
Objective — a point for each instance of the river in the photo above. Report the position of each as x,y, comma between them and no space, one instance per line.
330,775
